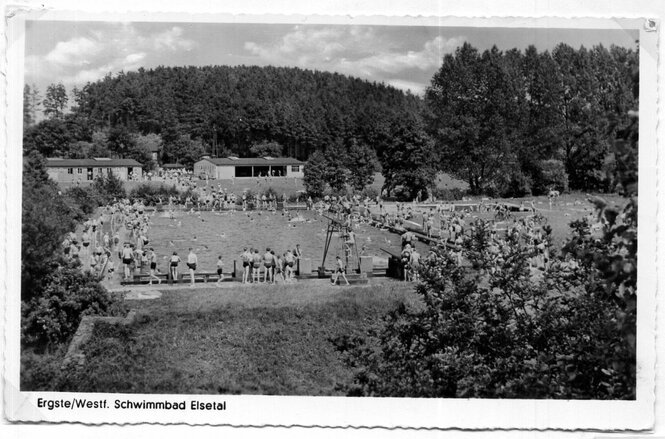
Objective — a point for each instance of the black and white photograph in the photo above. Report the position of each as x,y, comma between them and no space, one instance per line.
330,213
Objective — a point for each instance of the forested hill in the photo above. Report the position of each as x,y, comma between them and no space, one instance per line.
235,107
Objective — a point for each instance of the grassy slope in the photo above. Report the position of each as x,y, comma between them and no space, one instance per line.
265,340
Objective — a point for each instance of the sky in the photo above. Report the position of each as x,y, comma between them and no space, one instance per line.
76,52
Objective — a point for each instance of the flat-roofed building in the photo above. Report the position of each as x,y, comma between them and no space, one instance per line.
234,167
72,170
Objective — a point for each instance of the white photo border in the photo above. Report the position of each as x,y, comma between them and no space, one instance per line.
248,410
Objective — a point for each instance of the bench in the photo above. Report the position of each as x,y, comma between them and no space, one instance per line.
183,277
204,276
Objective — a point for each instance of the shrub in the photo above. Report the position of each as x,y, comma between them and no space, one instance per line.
448,194
108,188
40,372
496,330
551,174
513,184
54,314
85,198
46,217
270,191
151,194
369,192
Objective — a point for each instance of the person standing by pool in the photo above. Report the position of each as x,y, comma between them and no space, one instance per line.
279,268
256,266
173,266
289,259
220,270
246,257
268,259
127,258
191,264
152,258
341,270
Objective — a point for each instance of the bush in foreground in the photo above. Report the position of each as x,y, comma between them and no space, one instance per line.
53,316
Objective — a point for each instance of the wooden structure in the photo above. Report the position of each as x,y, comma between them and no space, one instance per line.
235,167
344,231
86,170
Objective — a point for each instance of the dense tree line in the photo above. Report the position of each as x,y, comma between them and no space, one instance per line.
509,123
513,123
236,107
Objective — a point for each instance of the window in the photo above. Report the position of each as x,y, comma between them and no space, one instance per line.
80,171
70,170
89,176
295,168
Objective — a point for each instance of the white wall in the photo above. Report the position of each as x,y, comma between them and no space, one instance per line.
225,172
61,174
299,174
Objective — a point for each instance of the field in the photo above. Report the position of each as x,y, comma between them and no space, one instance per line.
231,340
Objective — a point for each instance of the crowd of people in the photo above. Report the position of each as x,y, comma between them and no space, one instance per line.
120,232
270,265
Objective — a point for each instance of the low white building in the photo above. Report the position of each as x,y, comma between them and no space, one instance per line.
234,167
73,170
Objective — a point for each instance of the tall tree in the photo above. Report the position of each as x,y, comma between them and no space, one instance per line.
362,163
473,114
409,159
183,150
55,101
315,170
31,104
266,149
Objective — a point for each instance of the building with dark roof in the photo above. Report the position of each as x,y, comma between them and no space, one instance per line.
82,170
232,167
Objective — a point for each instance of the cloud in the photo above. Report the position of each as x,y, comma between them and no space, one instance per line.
416,88
83,59
429,57
74,52
170,40
357,51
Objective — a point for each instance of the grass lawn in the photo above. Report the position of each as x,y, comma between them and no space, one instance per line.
249,340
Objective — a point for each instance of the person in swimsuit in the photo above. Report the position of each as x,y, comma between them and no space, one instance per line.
173,267
279,268
341,270
406,261
110,268
268,260
192,260
127,258
220,270
246,257
152,258
289,259
256,266
415,264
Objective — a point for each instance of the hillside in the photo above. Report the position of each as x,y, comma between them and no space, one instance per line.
233,107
